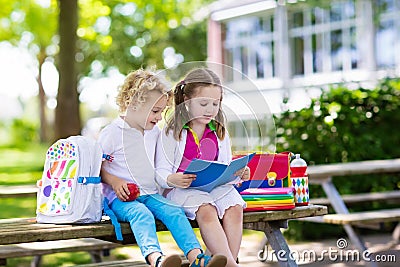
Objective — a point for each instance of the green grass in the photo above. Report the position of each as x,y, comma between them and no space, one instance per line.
17,207
27,158
53,260
19,166
22,178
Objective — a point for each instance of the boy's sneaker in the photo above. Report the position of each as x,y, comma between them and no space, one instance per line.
169,261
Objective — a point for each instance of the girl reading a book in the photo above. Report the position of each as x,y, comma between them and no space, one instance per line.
197,130
131,140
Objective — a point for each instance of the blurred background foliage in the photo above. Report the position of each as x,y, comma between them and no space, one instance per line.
112,37
344,125
112,34
133,34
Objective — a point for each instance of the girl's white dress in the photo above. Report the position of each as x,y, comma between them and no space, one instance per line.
169,155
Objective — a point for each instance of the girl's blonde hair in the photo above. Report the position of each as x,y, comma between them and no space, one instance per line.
136,86
189,86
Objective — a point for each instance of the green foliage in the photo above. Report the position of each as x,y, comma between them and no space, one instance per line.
345,125
22,165
23,132
20,17
147,27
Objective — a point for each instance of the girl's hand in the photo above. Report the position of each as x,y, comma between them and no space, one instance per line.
180,179
244,173
120,187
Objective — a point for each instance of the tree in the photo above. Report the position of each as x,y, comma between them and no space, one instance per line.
132,34
127,35
67,120
22,18
122,35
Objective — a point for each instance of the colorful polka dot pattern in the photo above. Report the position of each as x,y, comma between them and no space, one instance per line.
61,150
57,186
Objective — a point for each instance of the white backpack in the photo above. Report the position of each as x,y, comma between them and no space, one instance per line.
70,189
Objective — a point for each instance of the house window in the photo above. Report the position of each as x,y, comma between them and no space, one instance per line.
323,39
251,135
249,47
387,33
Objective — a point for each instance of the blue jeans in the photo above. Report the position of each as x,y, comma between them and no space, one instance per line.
141,214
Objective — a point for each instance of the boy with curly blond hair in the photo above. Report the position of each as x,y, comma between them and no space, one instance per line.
131,140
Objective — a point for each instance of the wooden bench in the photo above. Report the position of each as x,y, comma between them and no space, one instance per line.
16,231
392,197
376,216
323,175
96,247
18,191
125,263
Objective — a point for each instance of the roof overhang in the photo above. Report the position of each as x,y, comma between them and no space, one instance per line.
226,12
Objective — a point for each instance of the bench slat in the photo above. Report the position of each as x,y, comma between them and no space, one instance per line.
323,171
122,263
298,212
389,215
362,197
7,191
49,247
26,230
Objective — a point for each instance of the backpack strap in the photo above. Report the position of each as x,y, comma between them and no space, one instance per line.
114,220
89,180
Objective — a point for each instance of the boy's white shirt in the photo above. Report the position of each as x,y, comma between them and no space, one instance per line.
169,153
118,139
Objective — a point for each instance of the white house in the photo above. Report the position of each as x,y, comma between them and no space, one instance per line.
290,49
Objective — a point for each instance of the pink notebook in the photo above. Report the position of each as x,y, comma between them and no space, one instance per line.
271,207
267,191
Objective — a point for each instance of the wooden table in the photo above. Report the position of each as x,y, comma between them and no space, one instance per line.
8,191
13,231
323,174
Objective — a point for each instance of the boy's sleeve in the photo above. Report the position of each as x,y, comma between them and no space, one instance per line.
106,141
164,159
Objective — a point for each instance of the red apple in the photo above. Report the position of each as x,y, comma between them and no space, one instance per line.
134,192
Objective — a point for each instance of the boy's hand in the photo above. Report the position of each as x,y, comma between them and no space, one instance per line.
120,187
180,179
244,173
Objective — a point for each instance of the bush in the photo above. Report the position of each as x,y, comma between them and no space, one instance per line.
23,132
345,125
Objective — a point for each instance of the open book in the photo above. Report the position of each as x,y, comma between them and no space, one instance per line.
211,174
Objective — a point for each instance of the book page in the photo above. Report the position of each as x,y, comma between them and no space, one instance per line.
212,173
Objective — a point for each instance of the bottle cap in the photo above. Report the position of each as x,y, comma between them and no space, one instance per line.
298,162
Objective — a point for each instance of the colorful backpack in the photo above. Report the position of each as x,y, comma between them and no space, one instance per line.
70,189
269,171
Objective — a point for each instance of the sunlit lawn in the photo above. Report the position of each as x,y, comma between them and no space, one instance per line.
17,207
21,165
